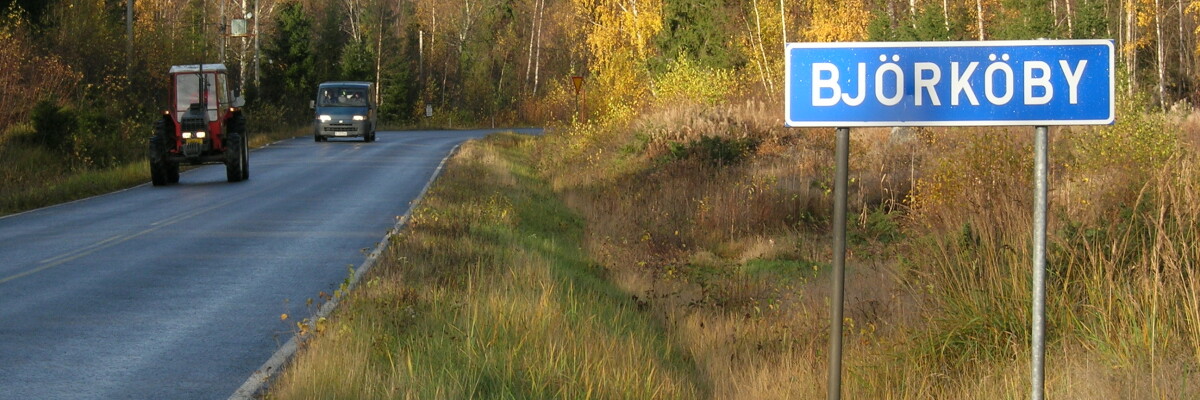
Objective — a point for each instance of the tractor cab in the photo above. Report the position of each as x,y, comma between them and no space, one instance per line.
204,124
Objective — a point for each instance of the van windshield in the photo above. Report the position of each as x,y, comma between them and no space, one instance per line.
342,97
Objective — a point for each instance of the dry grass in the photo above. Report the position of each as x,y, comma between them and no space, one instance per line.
938,294
709,271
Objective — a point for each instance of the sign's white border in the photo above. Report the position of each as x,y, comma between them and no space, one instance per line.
787,99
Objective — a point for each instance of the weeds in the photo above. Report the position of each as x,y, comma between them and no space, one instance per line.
487,294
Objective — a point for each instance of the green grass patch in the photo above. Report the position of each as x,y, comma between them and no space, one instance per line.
783,270
73,187
488,294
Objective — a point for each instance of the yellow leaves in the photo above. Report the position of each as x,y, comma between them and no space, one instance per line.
1194,9
620,39
283,317
630,24
687,82
837,21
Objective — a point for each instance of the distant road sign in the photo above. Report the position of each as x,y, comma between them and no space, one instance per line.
1029,82
578,82
237,28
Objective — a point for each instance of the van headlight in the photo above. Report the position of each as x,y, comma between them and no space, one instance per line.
359,118
201,134
325,118
187,135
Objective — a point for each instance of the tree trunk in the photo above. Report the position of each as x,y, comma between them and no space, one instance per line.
1131,44
1158,39
533,28
1054,11
783,21
946,14
912,12
979,17
761,70
537,56
762,50
1070,25
1184,67
242,58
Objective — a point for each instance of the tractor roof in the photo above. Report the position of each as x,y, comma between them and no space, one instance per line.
193,68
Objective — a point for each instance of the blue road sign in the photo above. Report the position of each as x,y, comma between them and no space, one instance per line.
1028,82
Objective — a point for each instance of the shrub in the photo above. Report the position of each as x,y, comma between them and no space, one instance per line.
714,150
265,117
54,126
685,81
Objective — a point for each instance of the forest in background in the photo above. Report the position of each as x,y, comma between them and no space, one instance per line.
508,61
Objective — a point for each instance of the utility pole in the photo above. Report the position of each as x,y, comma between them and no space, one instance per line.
379,59
256,17
224,33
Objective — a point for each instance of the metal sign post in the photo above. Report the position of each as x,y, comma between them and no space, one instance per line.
1030,83
840,182
1040,167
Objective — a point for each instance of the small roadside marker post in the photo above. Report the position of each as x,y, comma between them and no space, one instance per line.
987,83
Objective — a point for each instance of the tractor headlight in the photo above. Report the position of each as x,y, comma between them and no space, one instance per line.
359,118
200,134
187,135
325,118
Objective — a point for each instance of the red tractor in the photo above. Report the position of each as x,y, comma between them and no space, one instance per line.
204,125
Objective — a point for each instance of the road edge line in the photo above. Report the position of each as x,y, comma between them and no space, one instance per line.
256,384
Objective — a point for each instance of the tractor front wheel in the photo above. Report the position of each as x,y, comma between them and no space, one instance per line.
161,173
158,174
237,156
245,157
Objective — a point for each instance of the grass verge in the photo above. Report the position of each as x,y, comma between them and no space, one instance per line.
488,293
33,177
718,219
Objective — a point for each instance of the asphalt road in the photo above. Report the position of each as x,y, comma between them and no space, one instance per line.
176,292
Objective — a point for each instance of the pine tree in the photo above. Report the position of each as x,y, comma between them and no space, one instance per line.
290,79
